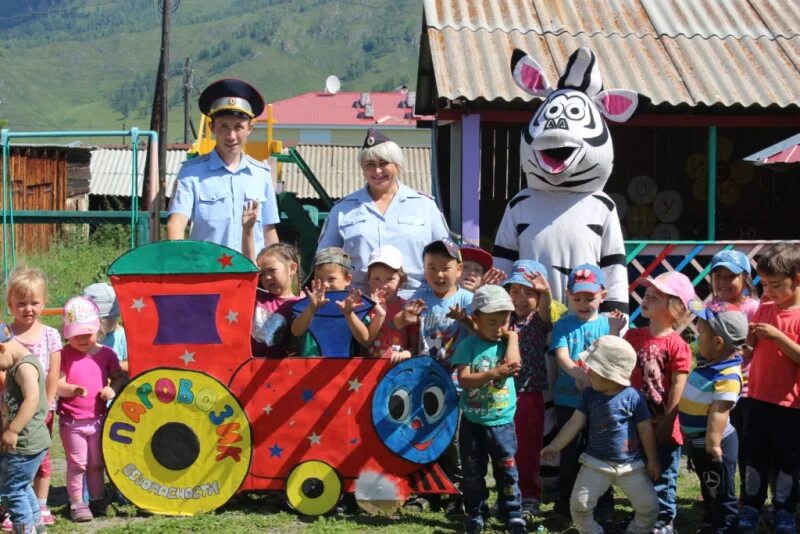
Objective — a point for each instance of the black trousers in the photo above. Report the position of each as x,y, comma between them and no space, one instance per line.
718,485
772,442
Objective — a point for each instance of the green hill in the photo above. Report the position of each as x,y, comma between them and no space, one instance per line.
91,64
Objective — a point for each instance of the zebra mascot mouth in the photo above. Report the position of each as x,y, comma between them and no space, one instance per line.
567,144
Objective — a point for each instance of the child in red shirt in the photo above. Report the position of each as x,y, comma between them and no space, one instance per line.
772,435
663,362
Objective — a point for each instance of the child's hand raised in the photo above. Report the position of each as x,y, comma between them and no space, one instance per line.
379,298
351,302
616,322
460,314
317,294
493,276
538,282
249,214
107,393
413,310
9,440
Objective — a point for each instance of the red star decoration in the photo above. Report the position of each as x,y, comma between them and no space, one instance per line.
225,260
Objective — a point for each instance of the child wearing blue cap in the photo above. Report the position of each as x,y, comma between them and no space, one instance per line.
25,439
573,334
732,283
531,319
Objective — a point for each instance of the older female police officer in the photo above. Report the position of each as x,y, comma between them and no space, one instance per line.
383,212
212,191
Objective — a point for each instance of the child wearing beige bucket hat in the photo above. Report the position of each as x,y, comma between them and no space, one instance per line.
621,444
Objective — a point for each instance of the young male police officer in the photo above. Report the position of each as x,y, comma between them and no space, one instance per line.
212,191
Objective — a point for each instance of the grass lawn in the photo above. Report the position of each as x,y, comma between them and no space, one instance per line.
75,262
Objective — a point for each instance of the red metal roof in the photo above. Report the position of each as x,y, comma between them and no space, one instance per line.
344,109
781,154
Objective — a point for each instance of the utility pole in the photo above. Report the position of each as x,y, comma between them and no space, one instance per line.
159,116
187,91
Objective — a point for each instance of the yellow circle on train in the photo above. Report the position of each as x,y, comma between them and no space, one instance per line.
313,488
177,442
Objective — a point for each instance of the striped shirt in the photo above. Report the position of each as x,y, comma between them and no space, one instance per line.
716,381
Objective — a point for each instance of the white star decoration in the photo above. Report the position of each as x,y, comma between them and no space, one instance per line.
268,409
355,385
138,304
315,439
187,357
232,317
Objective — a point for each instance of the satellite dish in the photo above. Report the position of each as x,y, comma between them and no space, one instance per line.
332,84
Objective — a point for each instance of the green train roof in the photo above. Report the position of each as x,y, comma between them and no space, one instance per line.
181,257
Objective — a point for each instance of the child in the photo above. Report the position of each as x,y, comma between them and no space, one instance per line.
113,333
279,265
704,411
663,361
484,364
385,276
731,282
25,440
530,294
330,271
84,390
772,440
434,307
26,297
573,334
619,428
478,269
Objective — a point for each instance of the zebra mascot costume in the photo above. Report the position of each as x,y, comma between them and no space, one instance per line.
563,218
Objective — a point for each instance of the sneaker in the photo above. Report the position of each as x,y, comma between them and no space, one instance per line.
7,526
454,509
417,504
98,507
47,516
747,520
80,513
473,526
517,526
784,523
663,528
530,508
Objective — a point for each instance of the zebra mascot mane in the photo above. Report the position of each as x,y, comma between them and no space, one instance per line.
567,144
563,218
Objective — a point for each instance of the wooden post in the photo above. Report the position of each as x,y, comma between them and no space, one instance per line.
470,178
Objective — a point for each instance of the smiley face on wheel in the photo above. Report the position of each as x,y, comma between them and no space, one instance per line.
415,410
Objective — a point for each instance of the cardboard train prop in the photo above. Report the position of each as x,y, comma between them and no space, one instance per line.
201,419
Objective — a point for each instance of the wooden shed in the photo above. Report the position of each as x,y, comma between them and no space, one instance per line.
45,177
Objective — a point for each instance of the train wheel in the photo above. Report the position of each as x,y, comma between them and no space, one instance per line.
177,442
313,488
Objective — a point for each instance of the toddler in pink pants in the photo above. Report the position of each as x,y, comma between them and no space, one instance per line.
90,377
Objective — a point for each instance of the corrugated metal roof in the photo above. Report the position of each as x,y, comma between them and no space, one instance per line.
674,51
337,169
111,170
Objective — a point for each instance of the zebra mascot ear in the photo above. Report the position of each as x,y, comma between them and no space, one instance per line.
529,75
617,105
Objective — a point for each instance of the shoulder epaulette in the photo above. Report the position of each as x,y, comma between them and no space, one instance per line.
257,163
424,194
198,159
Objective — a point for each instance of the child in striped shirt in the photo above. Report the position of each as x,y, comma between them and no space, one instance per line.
711,392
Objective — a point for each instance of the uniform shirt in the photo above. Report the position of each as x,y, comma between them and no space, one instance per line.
495,402
577,336
775,378
34,436
657,359
613,436
411,222
213,196
716,381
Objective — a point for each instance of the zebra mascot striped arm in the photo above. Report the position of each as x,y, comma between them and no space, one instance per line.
563,218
